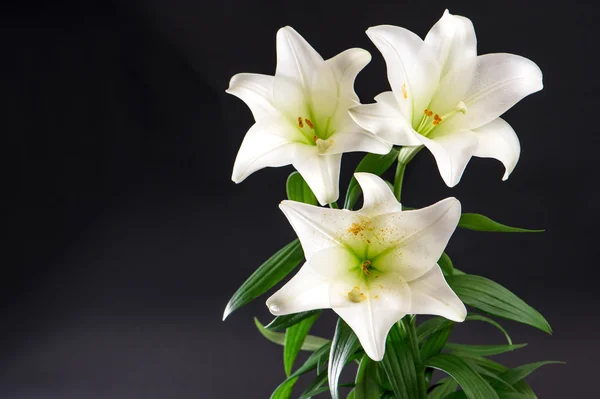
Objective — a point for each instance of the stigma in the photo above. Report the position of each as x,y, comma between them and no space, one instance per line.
355,295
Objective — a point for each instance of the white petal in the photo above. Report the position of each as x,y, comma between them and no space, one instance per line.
256,91
498,140
334,262
385,302
357,139
318,228
412,70
307,290
346,66
321,172
489,86
453,40
452,152
291,99
386,120
432,295
296,59
378,198
411,242
264,145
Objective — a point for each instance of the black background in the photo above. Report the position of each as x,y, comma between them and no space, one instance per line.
126,236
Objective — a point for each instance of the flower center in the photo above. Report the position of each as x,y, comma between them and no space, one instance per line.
313,134
366,265
431,120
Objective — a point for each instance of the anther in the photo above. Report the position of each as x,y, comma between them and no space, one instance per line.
300,123
365,267
309,123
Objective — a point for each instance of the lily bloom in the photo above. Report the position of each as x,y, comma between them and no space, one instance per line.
372,266
447,98
301,115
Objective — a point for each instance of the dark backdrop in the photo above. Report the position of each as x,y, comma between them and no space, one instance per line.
126,236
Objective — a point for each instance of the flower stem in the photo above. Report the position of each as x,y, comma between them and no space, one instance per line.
410,327
399,179
334,205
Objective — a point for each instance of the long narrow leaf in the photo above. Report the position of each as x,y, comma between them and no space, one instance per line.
294,339
477,222
430,326
367,380
478,317
494,299
443,389
372,163
266,276
436,341
280,323
399,364
311,343
343,346
484,350
298,190
284,390
515,375
446,265
474,386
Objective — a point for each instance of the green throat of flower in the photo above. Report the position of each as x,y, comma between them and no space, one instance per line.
430,120
314,135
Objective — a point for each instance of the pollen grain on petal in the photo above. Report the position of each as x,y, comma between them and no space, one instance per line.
404,92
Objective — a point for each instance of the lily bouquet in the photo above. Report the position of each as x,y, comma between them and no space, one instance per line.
380,266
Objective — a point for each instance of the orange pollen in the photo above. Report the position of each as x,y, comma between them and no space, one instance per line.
309,123
365,267
436,122
315,138
300,123
437,117
404,92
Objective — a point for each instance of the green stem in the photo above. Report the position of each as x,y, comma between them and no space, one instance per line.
410,326
399,179
334,205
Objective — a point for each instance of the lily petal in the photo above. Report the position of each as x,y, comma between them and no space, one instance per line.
333,263
256,91
432,295
317,228
488,86
345,67
321,172
386,120
307,290
378,309
413,241
453,40
357,140
378,198
412,69
498,140
296,59
261,148
452,153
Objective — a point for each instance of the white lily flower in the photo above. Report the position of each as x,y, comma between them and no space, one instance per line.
447,98
302,115
372,266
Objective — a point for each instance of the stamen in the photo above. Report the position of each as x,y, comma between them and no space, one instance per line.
365,267
309,123
300,123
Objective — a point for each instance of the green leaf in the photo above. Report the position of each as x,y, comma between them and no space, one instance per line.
478,317
494,299
280,323
343,346
474,386
367,380
399,364
294,339
284,390
443,388
515,375
446,265
436,341
316,387
430,326
298,190
313,360
477,222
484,350
372,163
311,343
266,276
